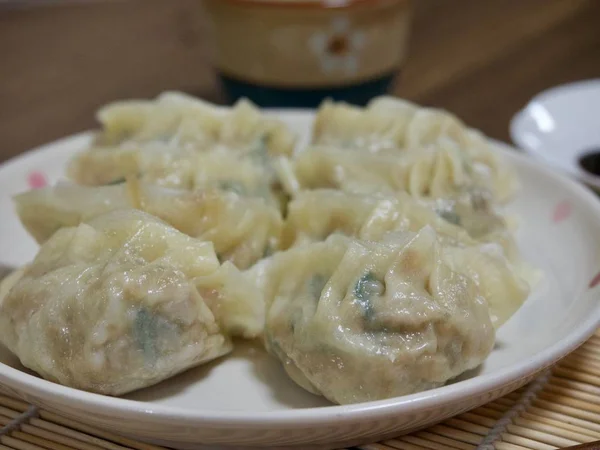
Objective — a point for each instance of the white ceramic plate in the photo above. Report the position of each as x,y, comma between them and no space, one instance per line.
560,125
246,399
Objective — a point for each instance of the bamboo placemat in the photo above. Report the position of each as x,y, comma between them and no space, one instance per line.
561,408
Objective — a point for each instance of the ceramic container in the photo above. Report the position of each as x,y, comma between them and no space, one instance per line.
296,53
560,127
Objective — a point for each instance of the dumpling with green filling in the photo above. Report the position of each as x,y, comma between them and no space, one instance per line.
170,115
191,170
123,302
437,177
242,229
143,138
430,126
359,321
423,173
493,261
342,125
393,125
227,172
315,215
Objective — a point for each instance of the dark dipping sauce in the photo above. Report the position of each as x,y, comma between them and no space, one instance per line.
590,161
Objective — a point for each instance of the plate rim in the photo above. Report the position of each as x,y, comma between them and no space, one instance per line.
32,385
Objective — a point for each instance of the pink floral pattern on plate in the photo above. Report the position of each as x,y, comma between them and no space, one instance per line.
595,281
37,180
562,211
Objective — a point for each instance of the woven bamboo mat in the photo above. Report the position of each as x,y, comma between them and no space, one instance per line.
561,408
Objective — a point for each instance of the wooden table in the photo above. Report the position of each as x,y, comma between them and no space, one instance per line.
482,59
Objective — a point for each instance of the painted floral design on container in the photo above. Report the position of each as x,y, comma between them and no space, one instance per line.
338,47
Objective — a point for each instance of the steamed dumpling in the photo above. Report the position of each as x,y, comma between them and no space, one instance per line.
145,138
430,126
242,229
492,261
424,173
168,116
188,122
314,215
358,321
123,302
44,211
439,177
390,125
222,170
345,126
505,286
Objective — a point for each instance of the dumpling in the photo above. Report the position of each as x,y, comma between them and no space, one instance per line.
439,177
226,171
192,170
358,321
473,210
123,302
169,115
505,286
492,260
390,125
423,173
242,229
186,121
315,215
345,126
161,136
429,126
44,211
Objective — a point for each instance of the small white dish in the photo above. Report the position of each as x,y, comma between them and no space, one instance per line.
246,400
560,126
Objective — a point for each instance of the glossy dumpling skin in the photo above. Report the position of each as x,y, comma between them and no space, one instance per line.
430,126
359,321
159,139
493,261
394,125
439,176
248,177
423,173
241,228
342,125
315,215
44,211
226,171
116,304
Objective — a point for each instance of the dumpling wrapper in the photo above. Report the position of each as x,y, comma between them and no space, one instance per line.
314,215
393,125
124,302
161,137
430,126
496,266
242,229
422,174
358,321
437,176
